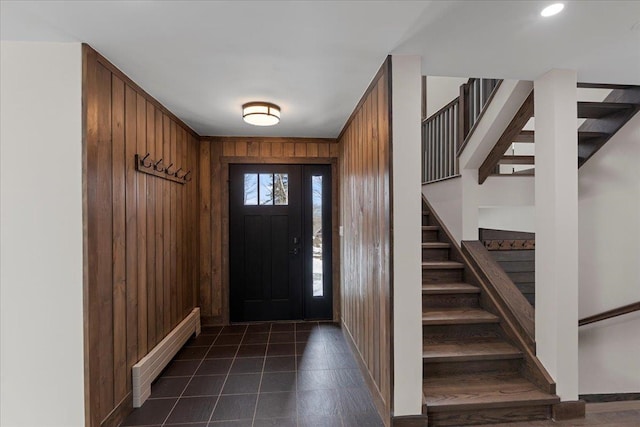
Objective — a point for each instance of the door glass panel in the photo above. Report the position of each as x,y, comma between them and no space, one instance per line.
250,189
266,189
316,198
281,188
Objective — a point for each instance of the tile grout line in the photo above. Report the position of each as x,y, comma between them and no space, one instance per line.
228,372
190,379
264,362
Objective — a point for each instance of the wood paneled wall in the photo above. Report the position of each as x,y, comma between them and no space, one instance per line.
140,237
216,153
366,245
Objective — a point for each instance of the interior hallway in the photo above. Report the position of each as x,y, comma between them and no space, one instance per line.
268,374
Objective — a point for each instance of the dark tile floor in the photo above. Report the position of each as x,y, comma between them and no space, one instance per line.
278,374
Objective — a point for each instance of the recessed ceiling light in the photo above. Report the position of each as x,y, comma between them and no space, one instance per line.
261,113
551,10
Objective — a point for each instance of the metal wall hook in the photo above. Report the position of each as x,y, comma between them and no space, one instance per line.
166,170
158,166
142,161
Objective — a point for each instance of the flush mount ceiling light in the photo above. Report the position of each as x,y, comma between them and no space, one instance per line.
261,113
551,10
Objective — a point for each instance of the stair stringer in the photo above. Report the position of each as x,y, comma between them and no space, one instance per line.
533,370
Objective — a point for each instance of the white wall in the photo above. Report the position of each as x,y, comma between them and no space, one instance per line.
609,259
41,345
514,218
446,199
441,91
407,207
505,203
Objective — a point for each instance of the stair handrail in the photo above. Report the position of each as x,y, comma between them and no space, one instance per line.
625,309
446,132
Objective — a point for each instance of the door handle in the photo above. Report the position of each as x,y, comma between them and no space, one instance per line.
294,251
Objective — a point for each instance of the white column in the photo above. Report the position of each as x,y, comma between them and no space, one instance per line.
407,208
556,190
470,203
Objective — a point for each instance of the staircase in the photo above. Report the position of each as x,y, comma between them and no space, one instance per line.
603,120
472,372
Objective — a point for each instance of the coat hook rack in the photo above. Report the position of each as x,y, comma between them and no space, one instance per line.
146,164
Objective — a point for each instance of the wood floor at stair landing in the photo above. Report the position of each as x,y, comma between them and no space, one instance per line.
471,370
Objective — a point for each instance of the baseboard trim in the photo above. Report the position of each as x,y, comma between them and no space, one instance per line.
378,400
609,397
119,413
568,410
410,421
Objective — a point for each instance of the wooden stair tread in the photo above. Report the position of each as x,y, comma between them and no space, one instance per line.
464,351
525,136
517,160
430,227
436,245
454,316
449,288
442,265
482,391
597,110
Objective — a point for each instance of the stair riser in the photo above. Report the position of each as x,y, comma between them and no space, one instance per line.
440,369
488,416
449,300
441,276
425,219
429,236
439,254
456,332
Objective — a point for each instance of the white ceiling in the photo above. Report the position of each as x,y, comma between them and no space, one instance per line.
203,60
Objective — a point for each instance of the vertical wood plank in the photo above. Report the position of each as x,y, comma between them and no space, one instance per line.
253,149
104,237
300,149
205,227
323,149
92,309
166,226
216,232
131,134
265,149
173,224
179,189
141,224
228,148
333,150
276,149
160,242
151,230
241,148
312,149
289,149
118,114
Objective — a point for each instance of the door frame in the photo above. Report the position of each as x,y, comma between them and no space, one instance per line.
335,238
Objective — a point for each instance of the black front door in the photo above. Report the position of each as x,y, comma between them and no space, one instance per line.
279,242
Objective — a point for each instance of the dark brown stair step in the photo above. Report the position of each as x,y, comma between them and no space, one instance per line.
449,288
604,86
525,136
442,265
467,351
435,245
517,160
430,227
457,316
481,391
597,110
